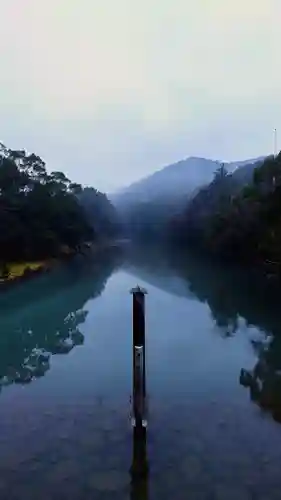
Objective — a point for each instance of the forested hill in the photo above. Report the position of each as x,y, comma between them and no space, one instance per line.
241,225
236,216
147,207
173,182
44,214
100,212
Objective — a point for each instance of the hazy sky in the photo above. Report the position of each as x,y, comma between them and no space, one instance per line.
110,90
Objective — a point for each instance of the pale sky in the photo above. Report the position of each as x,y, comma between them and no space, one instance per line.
110,90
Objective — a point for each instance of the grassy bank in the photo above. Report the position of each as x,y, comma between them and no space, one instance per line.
13,271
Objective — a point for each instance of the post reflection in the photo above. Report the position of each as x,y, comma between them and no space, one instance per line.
139,469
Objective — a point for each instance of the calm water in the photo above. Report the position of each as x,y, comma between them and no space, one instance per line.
65,418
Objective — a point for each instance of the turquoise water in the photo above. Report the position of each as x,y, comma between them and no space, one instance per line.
65,368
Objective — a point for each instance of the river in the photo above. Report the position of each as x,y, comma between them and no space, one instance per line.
65,416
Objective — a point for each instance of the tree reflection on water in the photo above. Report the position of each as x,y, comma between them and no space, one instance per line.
234,298
264,380
43,317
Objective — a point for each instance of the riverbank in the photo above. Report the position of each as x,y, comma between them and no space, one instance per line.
13,272
16,272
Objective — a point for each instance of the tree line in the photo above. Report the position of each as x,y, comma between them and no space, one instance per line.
237,224
44,214
236,217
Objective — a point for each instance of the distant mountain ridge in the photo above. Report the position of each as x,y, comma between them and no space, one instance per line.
178,180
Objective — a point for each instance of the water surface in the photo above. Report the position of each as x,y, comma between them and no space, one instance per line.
65,417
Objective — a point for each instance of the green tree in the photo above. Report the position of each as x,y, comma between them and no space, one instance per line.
39,212
241,224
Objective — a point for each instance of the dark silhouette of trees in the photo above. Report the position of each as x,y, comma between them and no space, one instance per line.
41,213
105,221
241,225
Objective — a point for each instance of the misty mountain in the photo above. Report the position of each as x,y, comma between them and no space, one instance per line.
175,183
243,174
212,199
148,206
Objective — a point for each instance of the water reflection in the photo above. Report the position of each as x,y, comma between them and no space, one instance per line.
232,295
202,442
43,317
264,380
139,468
234,299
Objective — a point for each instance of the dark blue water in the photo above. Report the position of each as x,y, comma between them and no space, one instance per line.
65,368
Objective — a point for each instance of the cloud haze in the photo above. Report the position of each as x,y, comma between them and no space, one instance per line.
110,90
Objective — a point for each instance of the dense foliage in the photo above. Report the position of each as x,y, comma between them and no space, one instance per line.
159,217
236,217
40,212
241,225
100,213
